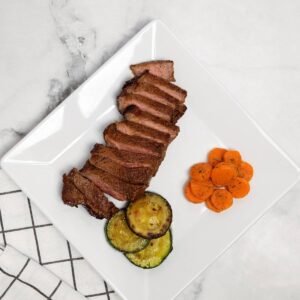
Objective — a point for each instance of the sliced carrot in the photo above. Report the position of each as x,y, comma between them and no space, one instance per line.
221,199
223,173
210,206
239,187
215,156
233,157
189,195
202,189
245,170
201,171
225,176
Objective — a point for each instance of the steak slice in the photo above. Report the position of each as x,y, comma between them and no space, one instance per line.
79,190
96,202
131,128
70,194
122,141
138,175
164,85
154,93
146,104
112,185
126,158
142,118
160,68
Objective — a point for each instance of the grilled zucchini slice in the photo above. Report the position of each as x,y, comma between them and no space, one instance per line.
154,254
121,237
150,216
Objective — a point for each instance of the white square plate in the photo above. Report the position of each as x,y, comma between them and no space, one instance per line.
65,137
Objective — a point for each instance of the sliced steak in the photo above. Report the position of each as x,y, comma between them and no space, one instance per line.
164,85
145,104
122,141
154,93
70,194
96,202
78,190
112,185
126,158
135,129
160,68
138,175
142,118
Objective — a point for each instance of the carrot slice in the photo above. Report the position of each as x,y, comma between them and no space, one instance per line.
189,195
239,187
221,199
245,170
223,173
201,171
201,189
210,206
215,156
233,157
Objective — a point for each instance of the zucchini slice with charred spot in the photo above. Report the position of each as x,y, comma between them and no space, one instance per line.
120,235
150,216
154,254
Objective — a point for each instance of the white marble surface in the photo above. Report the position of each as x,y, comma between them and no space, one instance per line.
252,46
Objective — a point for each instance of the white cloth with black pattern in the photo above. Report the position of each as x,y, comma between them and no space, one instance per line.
22,278
24,228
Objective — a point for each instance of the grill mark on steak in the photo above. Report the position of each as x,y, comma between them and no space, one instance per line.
155,108
139,175
131,128
142,118
126,158
86,193
160,68
122,141
164,85
112,185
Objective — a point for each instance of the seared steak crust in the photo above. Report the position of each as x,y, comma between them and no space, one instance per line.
126,158
138,175
164,85
135,115
112,185
83,191
153,93
160,68
155,108
122,141
135,129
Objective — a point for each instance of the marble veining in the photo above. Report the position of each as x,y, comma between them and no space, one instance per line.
194,291
253,47
56,94
78,40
